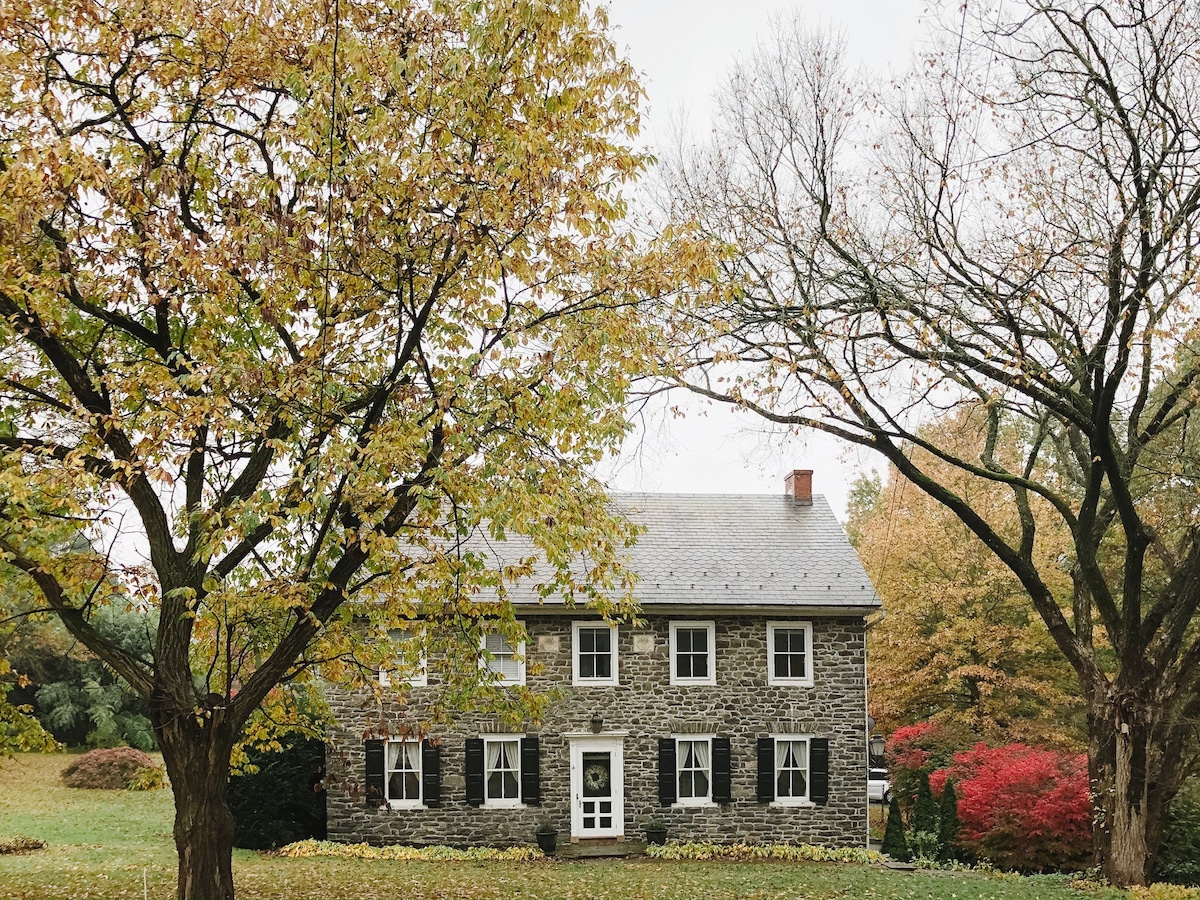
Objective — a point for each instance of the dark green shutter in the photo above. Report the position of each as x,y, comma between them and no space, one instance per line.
374,751
766,770
474,771
722,774
818,768
667,789
531,773
431,774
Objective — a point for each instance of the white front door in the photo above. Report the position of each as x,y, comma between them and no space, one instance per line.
597,788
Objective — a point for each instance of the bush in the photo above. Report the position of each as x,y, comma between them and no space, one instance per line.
284,800
925,811
1022,808
112,768
948,824
922,748
894,844
1178,860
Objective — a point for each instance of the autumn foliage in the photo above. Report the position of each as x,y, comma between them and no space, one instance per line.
1022,807
111,768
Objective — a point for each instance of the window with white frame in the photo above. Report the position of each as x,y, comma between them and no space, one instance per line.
693,770
594,660
791,770
402,774
502,771
505,659
407,665
693,653
789,653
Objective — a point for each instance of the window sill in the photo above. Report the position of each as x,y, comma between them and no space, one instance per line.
502,804
406,804
790,682
597,682
696,804
693,682
790,803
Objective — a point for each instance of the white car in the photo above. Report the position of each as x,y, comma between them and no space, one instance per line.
879,787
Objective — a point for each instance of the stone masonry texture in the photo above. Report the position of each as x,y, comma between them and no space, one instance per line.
741,706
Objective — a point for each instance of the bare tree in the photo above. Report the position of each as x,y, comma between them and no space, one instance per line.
1015,230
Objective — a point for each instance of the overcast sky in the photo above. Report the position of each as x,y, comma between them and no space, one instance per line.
685,49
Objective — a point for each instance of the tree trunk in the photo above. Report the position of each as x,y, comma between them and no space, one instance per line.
196,752
1126,759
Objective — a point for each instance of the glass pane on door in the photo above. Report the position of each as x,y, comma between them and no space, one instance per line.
597,804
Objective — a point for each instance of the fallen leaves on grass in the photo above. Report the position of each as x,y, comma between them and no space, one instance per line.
20,844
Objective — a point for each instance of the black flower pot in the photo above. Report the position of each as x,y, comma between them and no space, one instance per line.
547,841
656,835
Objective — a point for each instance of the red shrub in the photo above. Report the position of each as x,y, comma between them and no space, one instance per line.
112,768
924,747
1022,808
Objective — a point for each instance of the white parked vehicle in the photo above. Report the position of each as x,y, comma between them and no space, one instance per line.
879,786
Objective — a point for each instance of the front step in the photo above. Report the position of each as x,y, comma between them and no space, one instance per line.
599,849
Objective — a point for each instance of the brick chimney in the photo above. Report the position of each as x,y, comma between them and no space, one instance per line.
798,486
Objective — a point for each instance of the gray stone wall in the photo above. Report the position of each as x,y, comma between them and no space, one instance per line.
741,706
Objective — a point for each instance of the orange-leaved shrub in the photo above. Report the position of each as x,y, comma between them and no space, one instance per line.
110,768
1022,807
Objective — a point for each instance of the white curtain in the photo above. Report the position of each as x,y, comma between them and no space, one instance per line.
411,751
493,754
703,756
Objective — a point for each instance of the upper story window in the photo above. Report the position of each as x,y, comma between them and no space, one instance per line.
402,782
789,653
693,653
408,665
505,659
594,657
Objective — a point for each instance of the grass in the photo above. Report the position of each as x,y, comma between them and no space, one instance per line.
103,843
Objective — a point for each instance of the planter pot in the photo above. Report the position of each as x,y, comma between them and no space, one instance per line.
547,841
656,835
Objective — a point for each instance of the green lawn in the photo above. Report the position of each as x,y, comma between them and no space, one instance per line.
103,843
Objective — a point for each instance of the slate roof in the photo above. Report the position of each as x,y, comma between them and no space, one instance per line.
742,550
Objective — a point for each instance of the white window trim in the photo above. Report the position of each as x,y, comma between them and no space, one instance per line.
712,653
509,802
419,679
793,801
520,657
578,679
772,679
405,804
692,802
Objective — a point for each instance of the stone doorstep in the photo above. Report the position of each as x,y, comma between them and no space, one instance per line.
599,848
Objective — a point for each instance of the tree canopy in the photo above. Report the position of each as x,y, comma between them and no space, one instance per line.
296,300
959,643
1011,231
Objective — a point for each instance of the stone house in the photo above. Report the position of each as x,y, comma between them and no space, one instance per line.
735,711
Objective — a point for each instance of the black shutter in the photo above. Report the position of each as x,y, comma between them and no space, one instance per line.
431,774
474,771
666,771
818,771
531,772
374,751
766,770
722,775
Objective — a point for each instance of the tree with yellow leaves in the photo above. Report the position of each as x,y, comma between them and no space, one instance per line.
959,644
296,302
